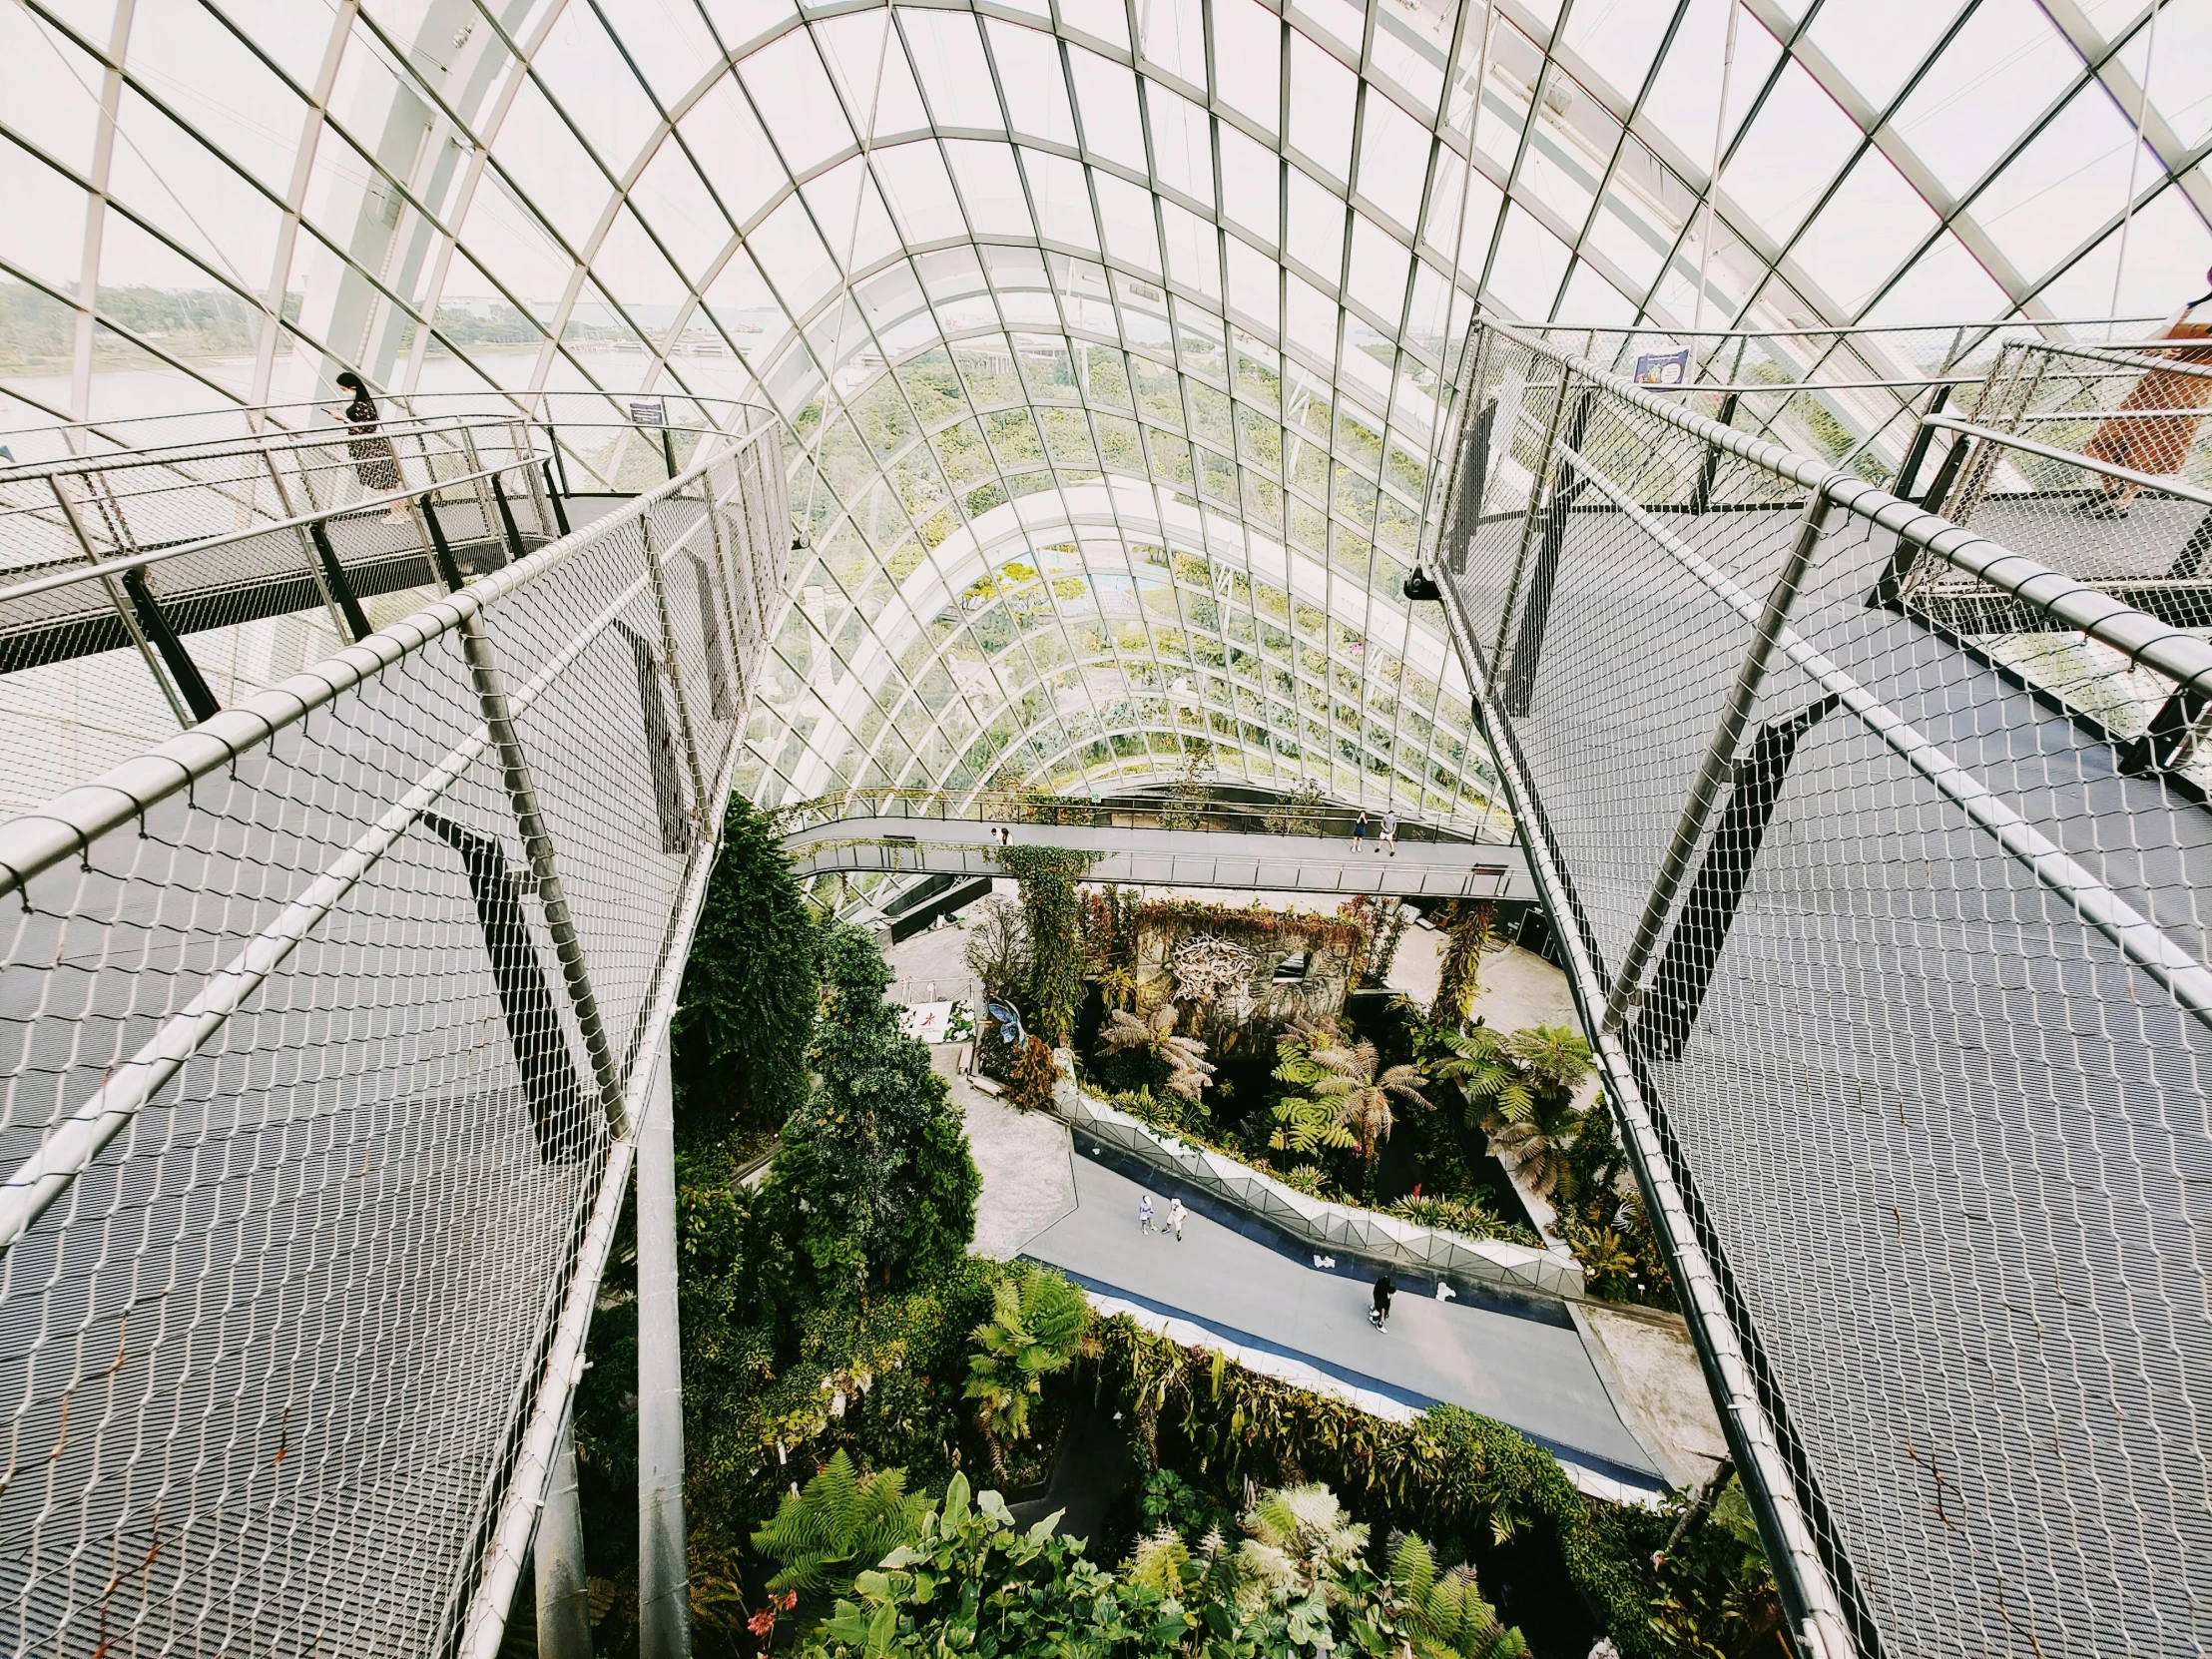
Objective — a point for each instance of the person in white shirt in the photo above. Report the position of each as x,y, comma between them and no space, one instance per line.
1144,1214
1175,1218
1390,833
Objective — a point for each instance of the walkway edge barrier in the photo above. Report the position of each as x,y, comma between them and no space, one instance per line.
1516,1270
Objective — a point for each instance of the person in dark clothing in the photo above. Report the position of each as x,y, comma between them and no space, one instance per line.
374,459
1383,1290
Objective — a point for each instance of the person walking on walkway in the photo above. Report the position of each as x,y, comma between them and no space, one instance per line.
1384,1289
374,461
1175,1218
1390,833
1359,834
1144,1214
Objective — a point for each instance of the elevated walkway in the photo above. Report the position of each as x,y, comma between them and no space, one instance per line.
1155,857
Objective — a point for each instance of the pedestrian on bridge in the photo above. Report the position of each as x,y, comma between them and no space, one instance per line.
1390,833
374,459
1175,1218
1144,1213
1359,832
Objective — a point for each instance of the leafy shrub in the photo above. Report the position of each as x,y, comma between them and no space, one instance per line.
1469,1215
1039,1322
1031,1079
1052,913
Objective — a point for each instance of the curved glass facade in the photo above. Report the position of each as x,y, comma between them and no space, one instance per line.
1107,335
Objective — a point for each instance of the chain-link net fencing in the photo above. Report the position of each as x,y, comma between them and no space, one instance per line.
1895,958
323,1030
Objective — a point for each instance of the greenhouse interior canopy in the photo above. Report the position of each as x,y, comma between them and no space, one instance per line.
1110,339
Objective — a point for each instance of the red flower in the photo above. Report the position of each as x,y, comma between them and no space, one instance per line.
762,1623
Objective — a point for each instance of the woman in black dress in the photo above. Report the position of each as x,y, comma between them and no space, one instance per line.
372,455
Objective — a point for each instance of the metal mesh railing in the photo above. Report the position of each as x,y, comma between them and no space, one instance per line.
1851,397
327,1027
1896,962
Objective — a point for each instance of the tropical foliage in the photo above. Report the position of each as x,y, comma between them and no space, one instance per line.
1039,1322
842,1523
1468,928
746,1008
967,1580
1184,1058
872,1183
1521,1086
1348,1093
1052,913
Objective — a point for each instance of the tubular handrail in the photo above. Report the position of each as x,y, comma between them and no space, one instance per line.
138,561
259,443
2081,606
1013,806
2165,484
2130,356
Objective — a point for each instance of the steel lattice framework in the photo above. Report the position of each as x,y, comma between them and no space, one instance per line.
1112,327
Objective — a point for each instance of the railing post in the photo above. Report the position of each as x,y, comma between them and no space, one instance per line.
702,809
123,610
537,843
1540,484
664,1579
1718,767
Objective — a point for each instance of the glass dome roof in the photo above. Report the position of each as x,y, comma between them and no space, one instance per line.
1108,336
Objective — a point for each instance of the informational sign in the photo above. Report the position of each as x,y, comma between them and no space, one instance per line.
1668,368
648,412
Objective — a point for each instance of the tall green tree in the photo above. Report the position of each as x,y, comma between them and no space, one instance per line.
747,1011
872,1187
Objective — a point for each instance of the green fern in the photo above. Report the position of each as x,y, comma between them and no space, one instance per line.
1039,1322
841,1523
1444,1613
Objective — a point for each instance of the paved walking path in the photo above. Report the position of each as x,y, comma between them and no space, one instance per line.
1527,1371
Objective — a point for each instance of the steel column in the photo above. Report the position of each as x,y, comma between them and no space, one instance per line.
537,842
664,1581
564,1610
1719,763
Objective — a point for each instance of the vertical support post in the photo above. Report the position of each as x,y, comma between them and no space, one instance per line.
1701,498
564,1613
181,669
310,550
560,512
1719,765
1909,473
701,806
336,583
1538,487
507,524
537,843
123,610
667,449
664,1579
441,551
540,478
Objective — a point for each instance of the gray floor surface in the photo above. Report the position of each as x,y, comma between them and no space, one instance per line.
1531,1375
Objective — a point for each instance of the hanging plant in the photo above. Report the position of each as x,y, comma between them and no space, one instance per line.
1052,909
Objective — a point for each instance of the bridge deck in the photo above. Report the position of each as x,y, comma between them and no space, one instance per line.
1171,858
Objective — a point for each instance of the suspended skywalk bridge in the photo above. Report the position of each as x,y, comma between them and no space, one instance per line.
1881,853
1212,841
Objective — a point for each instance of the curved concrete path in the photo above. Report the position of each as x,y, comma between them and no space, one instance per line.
1073,1213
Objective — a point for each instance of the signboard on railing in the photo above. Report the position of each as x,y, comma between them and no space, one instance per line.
1663,368
648,411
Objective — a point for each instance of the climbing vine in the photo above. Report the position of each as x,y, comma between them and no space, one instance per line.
1052,908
